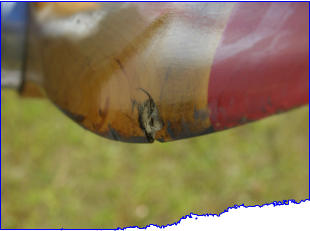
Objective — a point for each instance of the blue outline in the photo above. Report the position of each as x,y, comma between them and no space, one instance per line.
309,87
0,126
308,98
275,203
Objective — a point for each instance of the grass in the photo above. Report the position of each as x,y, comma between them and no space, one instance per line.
56,174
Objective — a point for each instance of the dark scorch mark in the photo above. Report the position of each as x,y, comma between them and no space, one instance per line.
149,118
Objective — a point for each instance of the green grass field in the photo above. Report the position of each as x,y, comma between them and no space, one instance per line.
56,174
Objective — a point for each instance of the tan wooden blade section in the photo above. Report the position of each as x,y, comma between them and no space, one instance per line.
105,65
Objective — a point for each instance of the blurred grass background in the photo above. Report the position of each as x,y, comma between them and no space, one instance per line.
56,174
